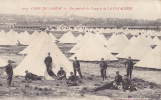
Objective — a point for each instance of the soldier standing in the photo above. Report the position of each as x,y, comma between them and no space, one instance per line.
76,67
9,71
48,62
129,64
103,66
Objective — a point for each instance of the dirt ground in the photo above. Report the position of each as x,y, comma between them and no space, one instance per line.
147,81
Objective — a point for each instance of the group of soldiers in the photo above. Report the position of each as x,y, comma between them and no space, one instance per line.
73,78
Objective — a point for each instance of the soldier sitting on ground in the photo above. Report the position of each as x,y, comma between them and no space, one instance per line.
61,74
72,81
127,84
31,76
112,85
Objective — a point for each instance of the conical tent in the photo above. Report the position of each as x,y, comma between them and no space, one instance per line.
34,61
13,36
33,45
53,37
34,34
133,39
101,38
85,38
151,60
93,50
112,38
4,40
24,38
156,41
136,50
118,45
68,38
149,39
80,36
2,63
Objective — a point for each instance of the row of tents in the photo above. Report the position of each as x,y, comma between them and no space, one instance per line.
90,47
108,30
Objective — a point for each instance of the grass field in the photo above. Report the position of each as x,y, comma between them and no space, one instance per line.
147,81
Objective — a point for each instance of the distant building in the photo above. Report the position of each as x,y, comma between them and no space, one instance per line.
157,28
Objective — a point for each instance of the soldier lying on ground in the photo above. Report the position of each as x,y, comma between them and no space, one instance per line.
127,84
72,81
112,85
31,76
61,74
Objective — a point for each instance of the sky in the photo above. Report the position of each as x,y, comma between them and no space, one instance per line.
141,9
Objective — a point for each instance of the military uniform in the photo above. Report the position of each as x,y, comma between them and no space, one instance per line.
103,66
61,74
76,67
129,69
72,81
127,85
48,62
32,77
9,71
111,85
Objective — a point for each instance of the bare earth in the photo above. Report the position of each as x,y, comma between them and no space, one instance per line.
147,81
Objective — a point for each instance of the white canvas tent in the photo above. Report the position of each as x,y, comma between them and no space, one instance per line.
112,38
53,37
2,63
119,44
93,50
24,38
13,36
34,61
85,38
80,36
101,38
152,59
156,41
133,39
136,50
4,40
68,38
33,44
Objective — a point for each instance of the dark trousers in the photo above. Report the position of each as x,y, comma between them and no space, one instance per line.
129,73
79,71
106,86
49,70
9,80
103,73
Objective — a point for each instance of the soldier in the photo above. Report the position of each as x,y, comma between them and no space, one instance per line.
31,76
103,66
76,67
48,62
127,84
72,81
112,85
61,74
9,71
129,64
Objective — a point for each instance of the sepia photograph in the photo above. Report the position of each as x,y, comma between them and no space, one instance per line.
80,49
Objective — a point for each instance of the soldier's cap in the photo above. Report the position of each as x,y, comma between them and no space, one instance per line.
71,72
26,71
61,67
75,57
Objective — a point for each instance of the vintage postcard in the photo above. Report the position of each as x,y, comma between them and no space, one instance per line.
80,49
